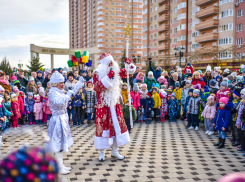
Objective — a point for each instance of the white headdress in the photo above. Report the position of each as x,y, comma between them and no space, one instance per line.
57,77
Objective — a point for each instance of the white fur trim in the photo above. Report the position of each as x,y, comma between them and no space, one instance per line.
106,81
101,143
115,121
106,60
121,139
131,70
106,134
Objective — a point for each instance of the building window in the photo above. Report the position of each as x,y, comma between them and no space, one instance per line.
225,41
175,10
155,17
240,13
155,27
226,13
239,1
239,41
225,55
226,27
155,8
181,5
175,41
181,27
181,37
181,16
239,28
155,35
224,1
175,20
175,30
155,44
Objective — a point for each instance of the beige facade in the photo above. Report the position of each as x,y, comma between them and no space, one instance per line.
158,26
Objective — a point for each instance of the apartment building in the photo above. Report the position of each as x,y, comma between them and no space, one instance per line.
158,26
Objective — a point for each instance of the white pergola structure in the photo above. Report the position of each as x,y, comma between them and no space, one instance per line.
93,53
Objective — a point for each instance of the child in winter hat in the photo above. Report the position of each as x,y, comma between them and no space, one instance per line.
224,91
209,114
222,120
173,108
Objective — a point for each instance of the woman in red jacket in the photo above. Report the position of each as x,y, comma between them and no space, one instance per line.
197,79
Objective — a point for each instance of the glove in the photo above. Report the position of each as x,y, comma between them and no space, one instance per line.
28,112
70,92
79,85
111,74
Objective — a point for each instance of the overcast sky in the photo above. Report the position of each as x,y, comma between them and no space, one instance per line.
39,22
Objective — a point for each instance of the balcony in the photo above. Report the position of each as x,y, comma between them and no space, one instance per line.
163,18
204,2
163,8
206,50
163,37
212,10
162,47
207,24
162,1
207,37
163,27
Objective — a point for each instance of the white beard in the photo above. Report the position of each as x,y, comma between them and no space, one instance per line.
110,96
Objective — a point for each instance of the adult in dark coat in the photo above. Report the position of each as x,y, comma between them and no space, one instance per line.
173,79
156,72
39,77
46,80
22,79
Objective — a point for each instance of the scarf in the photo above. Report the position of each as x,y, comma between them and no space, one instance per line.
5,82
89,89
40,78
221,108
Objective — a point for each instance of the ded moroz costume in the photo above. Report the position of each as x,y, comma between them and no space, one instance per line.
59,133
111,130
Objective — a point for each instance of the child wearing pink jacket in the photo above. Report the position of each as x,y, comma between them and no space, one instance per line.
136,99
209,114
38,109
46,110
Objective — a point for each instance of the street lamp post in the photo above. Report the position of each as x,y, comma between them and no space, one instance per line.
138,58
134,59
181,54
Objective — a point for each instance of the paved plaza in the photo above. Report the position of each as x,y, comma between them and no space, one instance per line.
157,152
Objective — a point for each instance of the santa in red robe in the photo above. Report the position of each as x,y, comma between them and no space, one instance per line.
111,130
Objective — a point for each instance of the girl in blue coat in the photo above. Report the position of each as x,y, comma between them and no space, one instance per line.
222,120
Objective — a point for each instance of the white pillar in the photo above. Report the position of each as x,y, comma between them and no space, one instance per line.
37,55
32,55
52,61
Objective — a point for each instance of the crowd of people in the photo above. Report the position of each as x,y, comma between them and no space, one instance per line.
25,100
215,98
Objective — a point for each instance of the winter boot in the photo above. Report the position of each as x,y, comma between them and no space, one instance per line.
222,145
30,123
62,168
41,121
102,156
36,121
114,151
217,144
74,123
88,122
78,123
47,122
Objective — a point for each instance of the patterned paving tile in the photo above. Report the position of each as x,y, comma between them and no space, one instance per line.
157,152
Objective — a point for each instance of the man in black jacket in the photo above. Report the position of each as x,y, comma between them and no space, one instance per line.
22,79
